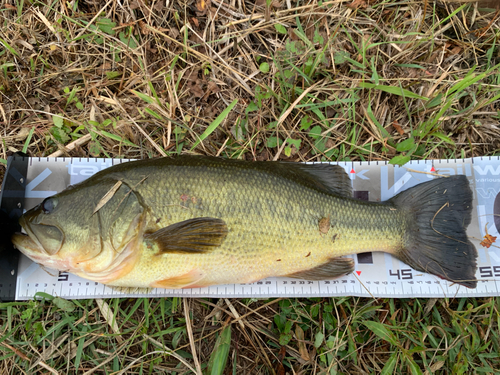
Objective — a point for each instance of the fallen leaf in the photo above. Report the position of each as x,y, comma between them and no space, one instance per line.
210,111
198,43
488,240
144,28
280,368
134,4
330,143
398,127
357,4
202,7
104,68
20,353
214,13
291,34
195,88
302,345
159,5
309,30
194,84
172,33
264,155
212,88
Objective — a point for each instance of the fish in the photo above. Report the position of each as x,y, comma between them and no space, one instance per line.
194,221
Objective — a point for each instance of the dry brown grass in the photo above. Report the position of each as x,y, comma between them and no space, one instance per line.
194,63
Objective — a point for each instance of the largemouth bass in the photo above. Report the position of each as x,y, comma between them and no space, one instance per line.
192,221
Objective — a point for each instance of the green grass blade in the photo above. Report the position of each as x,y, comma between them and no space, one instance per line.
218,359
393,90
470,79
118,138
144,97
410,66
414,368
427,127
372,116
28,139
8,46
390,364
154,114
381,331
7,65
489,101
215,124
301,34
79,349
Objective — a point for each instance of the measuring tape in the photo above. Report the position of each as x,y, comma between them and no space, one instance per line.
376,274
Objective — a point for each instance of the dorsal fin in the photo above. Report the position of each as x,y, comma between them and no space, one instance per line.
323,177
330,178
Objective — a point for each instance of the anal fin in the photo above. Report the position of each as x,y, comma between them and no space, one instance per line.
188,280
130,289
335,267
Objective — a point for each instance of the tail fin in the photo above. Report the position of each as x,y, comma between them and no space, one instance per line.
438,213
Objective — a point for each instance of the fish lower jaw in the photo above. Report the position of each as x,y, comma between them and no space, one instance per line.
30,248
24,244
50,262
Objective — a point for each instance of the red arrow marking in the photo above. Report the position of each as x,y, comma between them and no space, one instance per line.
352,171
358,272
432,169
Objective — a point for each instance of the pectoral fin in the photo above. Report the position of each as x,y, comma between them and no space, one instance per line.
191,236
335,267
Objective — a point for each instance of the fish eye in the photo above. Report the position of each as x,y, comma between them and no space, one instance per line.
48,205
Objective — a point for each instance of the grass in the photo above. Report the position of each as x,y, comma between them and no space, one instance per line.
304,81
331,335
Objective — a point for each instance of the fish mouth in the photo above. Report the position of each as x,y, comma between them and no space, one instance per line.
40,238
26,245
33,250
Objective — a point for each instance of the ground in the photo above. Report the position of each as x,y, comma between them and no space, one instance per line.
266,80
